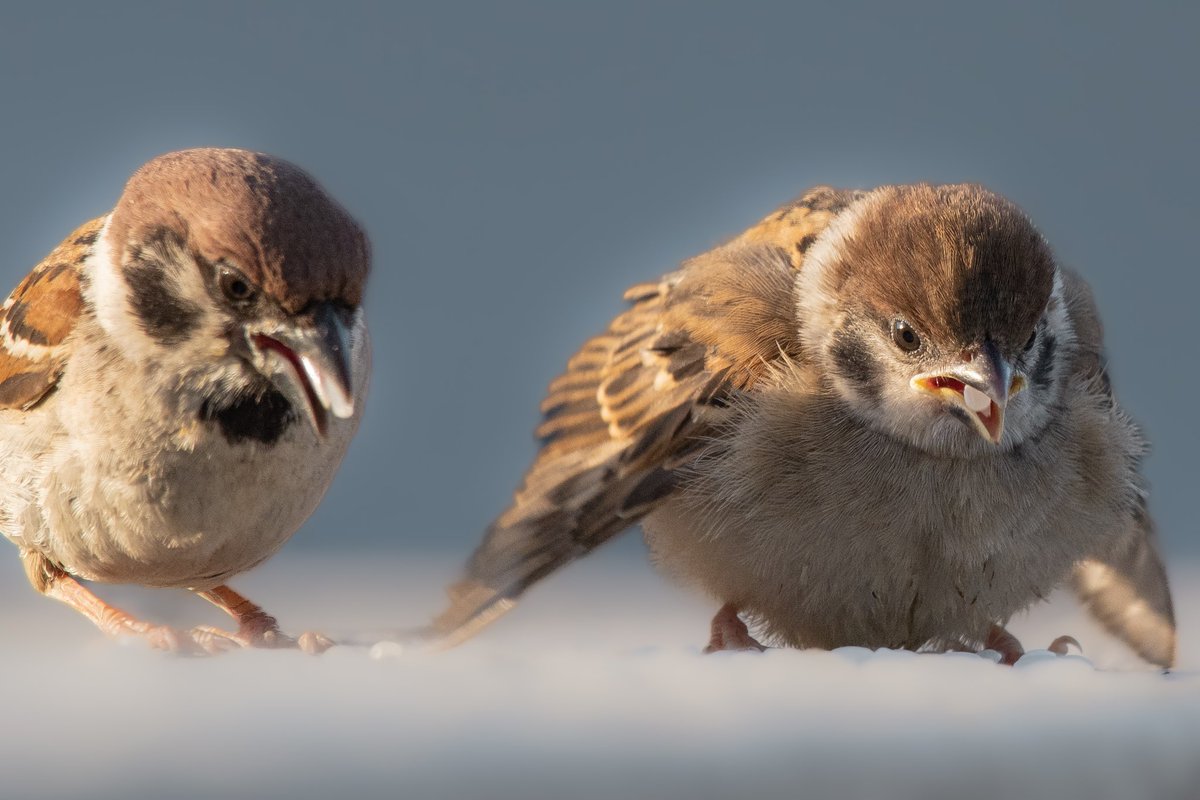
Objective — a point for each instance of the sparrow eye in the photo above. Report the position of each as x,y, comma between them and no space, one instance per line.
235,286
904,336
1032,339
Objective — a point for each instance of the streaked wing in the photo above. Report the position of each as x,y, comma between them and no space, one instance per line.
1127,590
36,319
636,404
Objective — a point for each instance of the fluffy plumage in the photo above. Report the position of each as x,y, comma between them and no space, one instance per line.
179,381
875,418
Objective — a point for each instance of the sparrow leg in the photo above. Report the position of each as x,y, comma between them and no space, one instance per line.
115,622
257,628
730,633
1005,644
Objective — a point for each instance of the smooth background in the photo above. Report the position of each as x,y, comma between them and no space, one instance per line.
517,166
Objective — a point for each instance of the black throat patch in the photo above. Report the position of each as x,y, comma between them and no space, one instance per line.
262,417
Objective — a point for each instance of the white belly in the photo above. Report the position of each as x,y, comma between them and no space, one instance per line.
183,518
115,494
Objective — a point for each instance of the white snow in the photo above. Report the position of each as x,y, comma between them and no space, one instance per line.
593,687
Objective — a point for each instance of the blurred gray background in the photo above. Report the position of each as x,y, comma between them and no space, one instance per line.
518,164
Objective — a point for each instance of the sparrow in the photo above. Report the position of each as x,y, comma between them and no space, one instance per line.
179,380
876,418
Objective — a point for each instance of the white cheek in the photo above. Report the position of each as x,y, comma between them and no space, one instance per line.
815,298
108,293
105,289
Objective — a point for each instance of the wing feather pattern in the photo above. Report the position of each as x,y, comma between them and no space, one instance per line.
1127,590
37,318
636,404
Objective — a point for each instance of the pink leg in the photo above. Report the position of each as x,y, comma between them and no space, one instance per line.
257,628
115,622
730,633
1005,644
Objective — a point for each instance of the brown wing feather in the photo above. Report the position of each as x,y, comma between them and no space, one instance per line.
636,403
1127,590
36,319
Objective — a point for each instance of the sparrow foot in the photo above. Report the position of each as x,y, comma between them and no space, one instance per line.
1062,645
1005,644
314,643
116,622
257,628
1010,649
730,633
212,641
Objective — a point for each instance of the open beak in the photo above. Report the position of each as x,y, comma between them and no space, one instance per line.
308,359
981,387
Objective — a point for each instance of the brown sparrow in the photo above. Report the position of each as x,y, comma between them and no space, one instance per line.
179,381
875,418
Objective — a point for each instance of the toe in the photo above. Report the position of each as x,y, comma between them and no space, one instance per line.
1062,645
314,643
214,641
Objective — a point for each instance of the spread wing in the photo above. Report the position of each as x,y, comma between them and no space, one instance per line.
1127,589
636,403
36,319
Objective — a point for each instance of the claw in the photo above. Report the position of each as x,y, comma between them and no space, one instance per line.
1005,644
1061,646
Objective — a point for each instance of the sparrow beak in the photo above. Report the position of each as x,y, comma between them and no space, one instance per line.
308,359
981,386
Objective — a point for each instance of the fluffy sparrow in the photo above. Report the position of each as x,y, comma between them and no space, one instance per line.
179,381
875,418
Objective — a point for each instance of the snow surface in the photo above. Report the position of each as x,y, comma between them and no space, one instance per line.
593,687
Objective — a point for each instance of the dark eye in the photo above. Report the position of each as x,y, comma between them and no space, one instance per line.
235,286
1032,339
904,336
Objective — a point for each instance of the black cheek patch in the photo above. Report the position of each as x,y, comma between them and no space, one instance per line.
261,418
854,363
1043,371
161,314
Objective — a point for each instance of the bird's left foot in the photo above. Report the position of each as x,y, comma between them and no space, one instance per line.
257,628
730,633
1063,644
1010,649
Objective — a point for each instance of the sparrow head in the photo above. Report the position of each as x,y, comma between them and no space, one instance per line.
937,313
236,276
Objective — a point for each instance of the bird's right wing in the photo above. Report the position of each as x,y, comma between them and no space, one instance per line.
36,319
636,404
1126,589
1128,592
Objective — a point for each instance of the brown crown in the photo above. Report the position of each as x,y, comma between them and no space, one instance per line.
958,262
261,214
